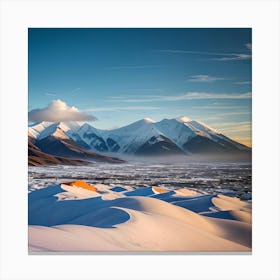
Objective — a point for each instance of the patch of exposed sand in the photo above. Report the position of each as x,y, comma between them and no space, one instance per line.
158,190
229,203
82,184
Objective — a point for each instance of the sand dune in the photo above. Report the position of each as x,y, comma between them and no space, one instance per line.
69,218
229,203
186,192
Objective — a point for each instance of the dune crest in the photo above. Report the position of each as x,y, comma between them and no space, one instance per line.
82,184
118,218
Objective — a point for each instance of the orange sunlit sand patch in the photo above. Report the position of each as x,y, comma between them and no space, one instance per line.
159,190
82,184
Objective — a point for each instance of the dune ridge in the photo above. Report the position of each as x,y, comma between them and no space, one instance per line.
69,218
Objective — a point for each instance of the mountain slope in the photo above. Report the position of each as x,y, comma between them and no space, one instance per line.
144,137
36,157
187,133
55,139
157,146
139,138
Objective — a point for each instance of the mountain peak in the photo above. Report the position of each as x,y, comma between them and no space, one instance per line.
148,120
183,119
70,125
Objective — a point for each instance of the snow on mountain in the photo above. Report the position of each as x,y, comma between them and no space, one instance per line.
70,126
183,119
92,137
181,130
176,131
204,130
58,129
133,136
53,130
198,127
35,130
148,120
179,135
215,135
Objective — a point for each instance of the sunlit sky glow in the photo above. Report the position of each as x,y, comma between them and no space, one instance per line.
122,75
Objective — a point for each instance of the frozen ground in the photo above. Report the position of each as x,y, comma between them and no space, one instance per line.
233,179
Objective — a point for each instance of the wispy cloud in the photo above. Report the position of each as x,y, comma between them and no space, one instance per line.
131,67
204,79
224,56
192,96
190,52
244,83
244,140
225,115
232,125
206,95
235,113
75,90
239,131
126,108
237,128
50,92
219,107
240,56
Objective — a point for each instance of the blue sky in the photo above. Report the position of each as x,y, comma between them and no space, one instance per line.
123,75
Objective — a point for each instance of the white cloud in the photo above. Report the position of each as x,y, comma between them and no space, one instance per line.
204,78
58,111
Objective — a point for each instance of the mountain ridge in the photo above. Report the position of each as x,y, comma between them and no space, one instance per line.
143,137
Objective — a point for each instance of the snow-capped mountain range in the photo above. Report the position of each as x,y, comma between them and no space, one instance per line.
144,138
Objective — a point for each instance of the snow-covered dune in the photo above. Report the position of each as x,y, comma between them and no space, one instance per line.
76,218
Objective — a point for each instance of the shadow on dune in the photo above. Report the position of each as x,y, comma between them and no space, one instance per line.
146,191
221,215
44,209
197,204
163,196
118,189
